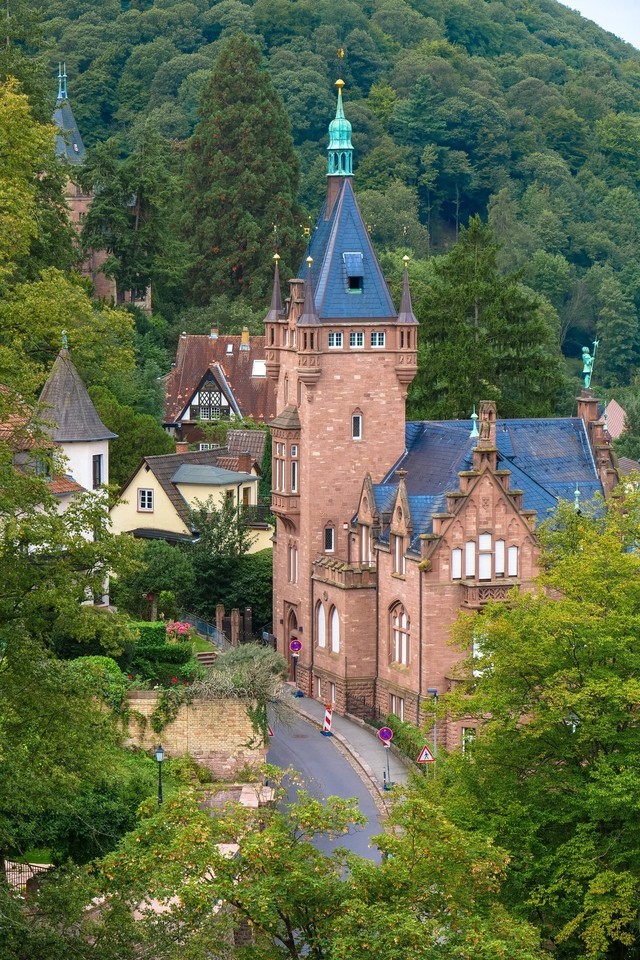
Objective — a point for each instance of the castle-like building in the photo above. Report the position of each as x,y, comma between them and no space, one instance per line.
386,530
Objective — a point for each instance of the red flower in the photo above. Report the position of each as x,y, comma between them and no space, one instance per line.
174,680
186,683
129,676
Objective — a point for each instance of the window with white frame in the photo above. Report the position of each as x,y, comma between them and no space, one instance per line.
356,339
319,688
335,631
329,539
398,555
145,500
321,625
356,426
400,635
377,338
294,476
96,465
210,402
335,340
467,738
396,706
485,559
332,692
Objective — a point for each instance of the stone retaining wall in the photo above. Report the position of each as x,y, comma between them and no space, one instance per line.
216,733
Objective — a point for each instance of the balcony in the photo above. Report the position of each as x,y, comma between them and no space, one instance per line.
285,504
476,595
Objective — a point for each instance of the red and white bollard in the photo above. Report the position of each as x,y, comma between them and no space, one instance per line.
328,713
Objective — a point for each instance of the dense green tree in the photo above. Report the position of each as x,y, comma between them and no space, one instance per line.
161,568
242,179
554,773
484,336
138,435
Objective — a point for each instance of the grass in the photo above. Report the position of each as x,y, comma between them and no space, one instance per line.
202,645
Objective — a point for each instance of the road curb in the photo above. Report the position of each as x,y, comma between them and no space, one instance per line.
369,778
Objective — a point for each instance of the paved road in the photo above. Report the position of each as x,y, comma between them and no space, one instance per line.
325,772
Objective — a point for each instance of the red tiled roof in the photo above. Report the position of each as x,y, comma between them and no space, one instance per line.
62,485
255,396
616,417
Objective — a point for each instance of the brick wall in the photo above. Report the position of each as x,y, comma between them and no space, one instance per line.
213,732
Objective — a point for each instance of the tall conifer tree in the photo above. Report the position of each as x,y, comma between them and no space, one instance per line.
242,179
483,336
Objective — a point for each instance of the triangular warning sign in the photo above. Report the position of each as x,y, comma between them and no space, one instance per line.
270,730
426,756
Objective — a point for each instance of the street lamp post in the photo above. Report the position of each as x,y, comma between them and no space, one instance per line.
434,693
159,754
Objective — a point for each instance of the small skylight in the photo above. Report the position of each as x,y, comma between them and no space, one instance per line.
229,348
259,368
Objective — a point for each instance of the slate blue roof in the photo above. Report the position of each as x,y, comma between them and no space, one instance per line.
69,145
209,475
547,458
344,232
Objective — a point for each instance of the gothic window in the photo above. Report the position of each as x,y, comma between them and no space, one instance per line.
210,403
485,559
335,631
329,539
399,636
321,625
470,559
356,426
293,563
499,558
485,543
377,338
513,561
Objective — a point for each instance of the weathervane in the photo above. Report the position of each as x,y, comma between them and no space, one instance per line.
340,56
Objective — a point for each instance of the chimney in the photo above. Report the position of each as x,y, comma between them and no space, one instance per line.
182,446
244,341
244,462
214,333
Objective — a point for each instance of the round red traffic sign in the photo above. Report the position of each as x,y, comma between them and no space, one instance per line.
385,734
295,646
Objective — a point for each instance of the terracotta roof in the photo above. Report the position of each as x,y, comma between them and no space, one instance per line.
626,466
66,405
288,419
616,418
247,441
197,354
61,486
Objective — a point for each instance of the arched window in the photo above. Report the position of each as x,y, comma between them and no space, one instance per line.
321,625
400,629
335,631
329,539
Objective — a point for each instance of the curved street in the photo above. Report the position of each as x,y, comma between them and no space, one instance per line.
325,772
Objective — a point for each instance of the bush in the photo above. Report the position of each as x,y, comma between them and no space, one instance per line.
408,739
105,678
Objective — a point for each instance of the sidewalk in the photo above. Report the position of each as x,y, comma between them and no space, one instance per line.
360,740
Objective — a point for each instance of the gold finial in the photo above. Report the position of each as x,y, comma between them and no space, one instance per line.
276,257
339,83
406,259
309,261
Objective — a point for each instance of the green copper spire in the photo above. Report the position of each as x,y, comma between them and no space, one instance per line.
340,148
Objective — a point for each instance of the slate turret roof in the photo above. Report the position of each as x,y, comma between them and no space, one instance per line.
547,458
344,232
67,408
69,145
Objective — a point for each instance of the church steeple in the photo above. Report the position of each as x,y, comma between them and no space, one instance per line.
62,81
340,148
275,308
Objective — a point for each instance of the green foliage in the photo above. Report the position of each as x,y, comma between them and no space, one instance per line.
168,706
241,180
105,677
485,337
236,581
553,774
161,568
138,435
406,737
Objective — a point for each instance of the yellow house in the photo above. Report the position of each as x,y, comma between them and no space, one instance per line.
156,502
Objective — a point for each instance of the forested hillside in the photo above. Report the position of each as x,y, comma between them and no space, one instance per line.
522,112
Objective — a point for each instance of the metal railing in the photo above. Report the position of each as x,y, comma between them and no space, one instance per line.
208,630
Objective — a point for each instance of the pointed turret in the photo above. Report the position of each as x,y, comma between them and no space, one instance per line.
69,145
275,308
406,314
340,148
67,407
309,315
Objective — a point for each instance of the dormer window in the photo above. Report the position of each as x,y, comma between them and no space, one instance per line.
354,269
229,348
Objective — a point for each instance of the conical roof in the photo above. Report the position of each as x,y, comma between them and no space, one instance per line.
69,145
309,315
65,404
406,314
275,309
